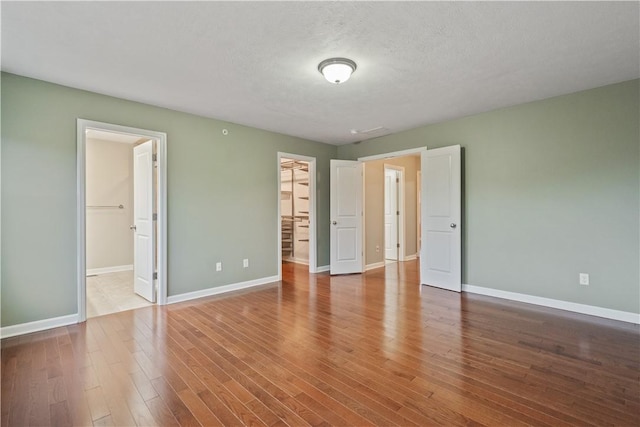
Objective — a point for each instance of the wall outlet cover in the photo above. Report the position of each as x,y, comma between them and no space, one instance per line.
584,279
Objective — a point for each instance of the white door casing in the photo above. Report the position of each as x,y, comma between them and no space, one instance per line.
441,253
82,126
313,266
390,214
346,229
143,227
418,211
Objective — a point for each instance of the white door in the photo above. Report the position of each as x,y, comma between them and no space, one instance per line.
346,217
440,261
390,214
143,226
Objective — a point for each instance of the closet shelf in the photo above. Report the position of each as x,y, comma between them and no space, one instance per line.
295,218
295,164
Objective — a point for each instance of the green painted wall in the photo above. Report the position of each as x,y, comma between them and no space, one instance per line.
551,189
222,195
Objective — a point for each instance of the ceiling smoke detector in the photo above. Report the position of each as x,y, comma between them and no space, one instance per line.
337,70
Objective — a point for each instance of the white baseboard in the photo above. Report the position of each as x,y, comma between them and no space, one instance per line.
38,325
105,270
411,257
591,310
374,265
323,268
220,289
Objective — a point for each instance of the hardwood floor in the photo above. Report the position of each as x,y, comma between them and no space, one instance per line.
372,349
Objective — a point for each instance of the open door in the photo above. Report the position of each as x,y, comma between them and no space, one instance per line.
143,227
391,214
346,217
441,253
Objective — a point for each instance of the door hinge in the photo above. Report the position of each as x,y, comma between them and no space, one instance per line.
155,217
397,245
397,180
155,276
397,212
154,157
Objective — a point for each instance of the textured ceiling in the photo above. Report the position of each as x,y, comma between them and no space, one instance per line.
255,63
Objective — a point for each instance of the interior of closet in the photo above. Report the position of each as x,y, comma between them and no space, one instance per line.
294,210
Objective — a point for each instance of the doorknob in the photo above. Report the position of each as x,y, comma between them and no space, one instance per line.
133,227
334,222
452,225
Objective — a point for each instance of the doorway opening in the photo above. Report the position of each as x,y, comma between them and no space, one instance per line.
121,218
390,210
440,196
296,211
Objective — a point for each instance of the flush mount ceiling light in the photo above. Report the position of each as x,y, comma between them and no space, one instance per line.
337,70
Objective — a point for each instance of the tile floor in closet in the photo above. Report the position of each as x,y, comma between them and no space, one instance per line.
111,293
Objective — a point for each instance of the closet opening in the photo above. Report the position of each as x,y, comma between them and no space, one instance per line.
296,213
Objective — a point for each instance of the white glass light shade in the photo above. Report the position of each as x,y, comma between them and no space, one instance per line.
337,70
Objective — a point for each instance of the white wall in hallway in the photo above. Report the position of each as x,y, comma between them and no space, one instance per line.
109,169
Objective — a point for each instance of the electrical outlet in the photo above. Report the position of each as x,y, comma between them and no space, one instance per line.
218,266
377,248
584,279
245,263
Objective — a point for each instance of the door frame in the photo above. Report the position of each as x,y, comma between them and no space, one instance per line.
400,204
392,155
82,125
313,262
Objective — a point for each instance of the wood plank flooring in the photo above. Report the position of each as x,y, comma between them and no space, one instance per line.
357,350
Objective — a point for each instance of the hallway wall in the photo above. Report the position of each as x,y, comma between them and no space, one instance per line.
374,206
109,182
